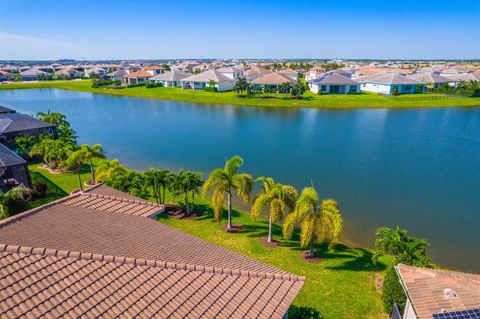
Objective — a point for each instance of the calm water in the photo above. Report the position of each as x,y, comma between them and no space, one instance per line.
419,169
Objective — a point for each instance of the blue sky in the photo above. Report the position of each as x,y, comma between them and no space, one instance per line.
102,29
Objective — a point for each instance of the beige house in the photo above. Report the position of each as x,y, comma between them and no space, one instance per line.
170,79
137,77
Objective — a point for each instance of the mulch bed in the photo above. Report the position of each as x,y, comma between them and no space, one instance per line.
180,213
236,228
265,243
313,260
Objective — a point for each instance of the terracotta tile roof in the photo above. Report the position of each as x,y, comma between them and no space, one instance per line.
208,76
426,289
139,74
333,78
273,78
95,254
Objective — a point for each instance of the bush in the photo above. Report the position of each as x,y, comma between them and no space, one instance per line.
153,85
40,190
15,204
211,89
395,91
392,291
135,85
101,83
305,313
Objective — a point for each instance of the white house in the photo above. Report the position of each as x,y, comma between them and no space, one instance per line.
255,72
97,70
117,75
170,79
334,83
439,293
272,81
233,72
388,83
153,69
32,74
137,77
202,80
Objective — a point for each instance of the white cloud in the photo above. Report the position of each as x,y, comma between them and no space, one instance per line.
20,47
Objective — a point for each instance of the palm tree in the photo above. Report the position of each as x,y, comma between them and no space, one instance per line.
278,197
76,160
3,211
94,151
320,221
223,180
285,88
181,185
108,168
195,183
54,118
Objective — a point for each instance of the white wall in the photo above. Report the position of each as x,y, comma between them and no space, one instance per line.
377,88
409,313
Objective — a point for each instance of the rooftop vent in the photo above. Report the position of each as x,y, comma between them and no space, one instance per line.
449,293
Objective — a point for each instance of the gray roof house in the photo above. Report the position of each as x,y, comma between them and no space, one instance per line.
170,79
6,109
334,83
431,79
388,83
117,75
202,80
32,74
463,77
13,170
15,124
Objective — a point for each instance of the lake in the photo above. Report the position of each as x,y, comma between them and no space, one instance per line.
417,168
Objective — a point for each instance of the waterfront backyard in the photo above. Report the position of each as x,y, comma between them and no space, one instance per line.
310,100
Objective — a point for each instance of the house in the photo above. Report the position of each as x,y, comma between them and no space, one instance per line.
170,79
290,73
117,75
68,73
271,81
255,72
466,77
6,109
439,294
233,72
33,74
6,76
431,80
96,70
314,73
388,83
137,77
206,79
153,69
100,253
334,83
13,170
13,125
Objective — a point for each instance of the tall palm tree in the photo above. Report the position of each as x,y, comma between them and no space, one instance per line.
108,168
278,197
91,152
54,118
223,181
320,221
76,160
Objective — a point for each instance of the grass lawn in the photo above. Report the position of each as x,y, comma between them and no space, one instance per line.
360,100
341,286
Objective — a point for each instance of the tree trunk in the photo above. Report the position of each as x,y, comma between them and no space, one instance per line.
187,207
311,253
92,171
229,224
79,180
163,196
269,240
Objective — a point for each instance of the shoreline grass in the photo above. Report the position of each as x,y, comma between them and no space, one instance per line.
348,101
344,275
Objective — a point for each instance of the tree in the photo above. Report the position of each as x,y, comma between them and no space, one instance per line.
107,169
75,160
3,212
320,221
277,197
128,181
54,118
298,89
285,88
91,152
242,85
24,144
67,134
222,181
13,201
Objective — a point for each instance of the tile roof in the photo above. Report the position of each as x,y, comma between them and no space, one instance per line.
426,289
388,78
139,74
207,76
95,254
464,77
334,79
170,76
273,78
429,78
16,122
32,71
255,70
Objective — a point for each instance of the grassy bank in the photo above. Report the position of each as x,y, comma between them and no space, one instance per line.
343,285
360,100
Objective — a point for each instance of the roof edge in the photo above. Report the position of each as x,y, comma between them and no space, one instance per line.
145,262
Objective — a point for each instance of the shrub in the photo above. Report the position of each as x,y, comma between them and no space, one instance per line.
15,204
305,313
392,291
395,91
135,85
101,83
40,190
153,85
211,89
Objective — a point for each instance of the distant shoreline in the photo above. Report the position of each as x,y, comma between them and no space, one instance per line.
332,101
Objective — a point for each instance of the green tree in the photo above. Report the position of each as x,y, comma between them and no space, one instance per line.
298,89
223,181
242,85
24,144
75,160
285,88
320,221
54,118
91,152
107,169
278,198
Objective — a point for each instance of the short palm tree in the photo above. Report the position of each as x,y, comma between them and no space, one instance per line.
223,181
320,221
277,197
107,169
75,160
90,152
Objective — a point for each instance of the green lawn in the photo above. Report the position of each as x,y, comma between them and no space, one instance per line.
360,100
341,286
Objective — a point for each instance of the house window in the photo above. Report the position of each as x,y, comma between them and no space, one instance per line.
353,88
407,88
324,88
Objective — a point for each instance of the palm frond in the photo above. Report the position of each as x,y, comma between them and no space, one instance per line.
243,184
259,204
218,199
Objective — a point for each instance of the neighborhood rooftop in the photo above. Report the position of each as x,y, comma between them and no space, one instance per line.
16,122
98,253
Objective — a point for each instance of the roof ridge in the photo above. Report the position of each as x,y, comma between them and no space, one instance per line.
441,270
146,262
134,201
16,218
